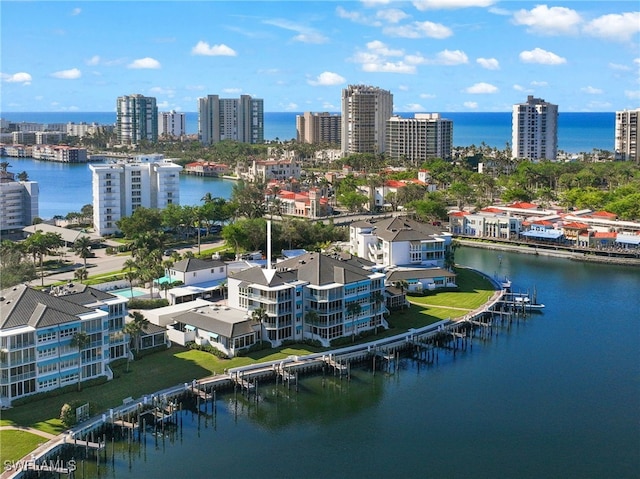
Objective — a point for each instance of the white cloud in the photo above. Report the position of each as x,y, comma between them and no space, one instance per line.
305,34
76,11
94,60
488,63
291,107
232,91
481,87
163,105
517,87
391,15
591,90
144,63
70,74
403,88
354,16
450,4
20,77
327,79
388,67
617,66
549,21
203,48
538,55
616,27
414,107
158,90
471,104
426,95
375,59
381,48
451,57
632,94
539,83
419,30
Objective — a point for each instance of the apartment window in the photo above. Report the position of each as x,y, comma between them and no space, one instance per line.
42,338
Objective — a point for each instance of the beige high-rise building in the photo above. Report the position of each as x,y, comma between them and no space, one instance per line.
239,119
318,127
534,133
626,141
417,139
365,111
172,123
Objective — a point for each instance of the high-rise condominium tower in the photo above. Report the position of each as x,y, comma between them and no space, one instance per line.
365,111
318,127
137,119
417,139
626,141
240,119
149,181
534,130
171,123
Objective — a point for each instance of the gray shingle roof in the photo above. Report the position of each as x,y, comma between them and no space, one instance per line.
404,229
319,269
257,275
213,325
188,265
25,306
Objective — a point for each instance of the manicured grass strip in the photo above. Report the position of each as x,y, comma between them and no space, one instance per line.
15,445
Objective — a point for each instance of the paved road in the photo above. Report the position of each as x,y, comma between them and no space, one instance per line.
104,263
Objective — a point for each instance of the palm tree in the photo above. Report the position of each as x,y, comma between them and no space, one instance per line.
135,328
82,246
353,310
80,340
81,274
259,315
40,244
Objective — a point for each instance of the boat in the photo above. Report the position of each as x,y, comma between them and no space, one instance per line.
525,302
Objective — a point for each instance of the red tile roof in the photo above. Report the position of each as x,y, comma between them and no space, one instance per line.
523,205
605,234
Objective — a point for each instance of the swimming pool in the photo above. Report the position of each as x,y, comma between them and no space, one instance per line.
126,292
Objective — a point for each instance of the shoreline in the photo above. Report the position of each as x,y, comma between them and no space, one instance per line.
573,256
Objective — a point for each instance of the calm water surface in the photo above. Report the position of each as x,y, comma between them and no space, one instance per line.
555,396
67,187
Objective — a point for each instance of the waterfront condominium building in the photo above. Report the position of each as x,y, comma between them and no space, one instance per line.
417,139
172,123
365,111
312,296
37,353
18,203
120,187
136,120
534,130
318,127
626,141
239,119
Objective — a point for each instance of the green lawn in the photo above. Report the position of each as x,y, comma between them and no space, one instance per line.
178,365
146,375
473,291
15,445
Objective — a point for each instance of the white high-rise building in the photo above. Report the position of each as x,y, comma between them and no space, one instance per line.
417,139
239,119
534,130
626,141
365,111
172,123
120,187
18,203
136,120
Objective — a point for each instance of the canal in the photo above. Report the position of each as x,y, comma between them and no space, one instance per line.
554,395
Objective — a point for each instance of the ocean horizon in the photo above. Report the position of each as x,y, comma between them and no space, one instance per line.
577,132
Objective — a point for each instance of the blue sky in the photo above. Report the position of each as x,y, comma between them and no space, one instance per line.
433,55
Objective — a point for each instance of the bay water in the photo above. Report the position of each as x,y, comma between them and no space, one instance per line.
556,395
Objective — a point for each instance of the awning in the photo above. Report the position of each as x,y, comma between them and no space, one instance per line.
544,234
628,239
